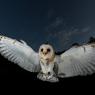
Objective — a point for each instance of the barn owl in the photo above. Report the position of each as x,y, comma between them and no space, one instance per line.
76,61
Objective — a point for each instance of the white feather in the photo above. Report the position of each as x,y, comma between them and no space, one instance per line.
78,61
19,53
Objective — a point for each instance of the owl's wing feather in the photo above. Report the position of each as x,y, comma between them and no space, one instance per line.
78,60
19,53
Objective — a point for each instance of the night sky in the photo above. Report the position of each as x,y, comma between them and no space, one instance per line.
59,22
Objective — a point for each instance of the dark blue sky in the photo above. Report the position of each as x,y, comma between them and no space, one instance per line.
60,22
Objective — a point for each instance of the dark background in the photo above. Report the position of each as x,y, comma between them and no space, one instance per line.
60,22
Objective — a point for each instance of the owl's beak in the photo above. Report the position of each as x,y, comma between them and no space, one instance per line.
45,53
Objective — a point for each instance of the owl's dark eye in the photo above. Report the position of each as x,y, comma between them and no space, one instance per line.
48,50
42,50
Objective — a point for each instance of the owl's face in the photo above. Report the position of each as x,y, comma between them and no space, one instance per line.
46,52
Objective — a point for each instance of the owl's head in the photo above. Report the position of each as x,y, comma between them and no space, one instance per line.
46,52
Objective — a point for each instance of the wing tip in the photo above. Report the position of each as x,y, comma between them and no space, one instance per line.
2,37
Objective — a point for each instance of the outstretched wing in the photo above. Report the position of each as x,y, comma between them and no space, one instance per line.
78,60
19,53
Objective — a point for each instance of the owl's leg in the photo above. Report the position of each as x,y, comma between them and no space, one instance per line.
53,75
43,73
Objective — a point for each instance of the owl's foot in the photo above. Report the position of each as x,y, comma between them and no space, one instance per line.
47,77
41,76
52,79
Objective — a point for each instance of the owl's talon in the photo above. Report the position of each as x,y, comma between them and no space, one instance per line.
41,76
